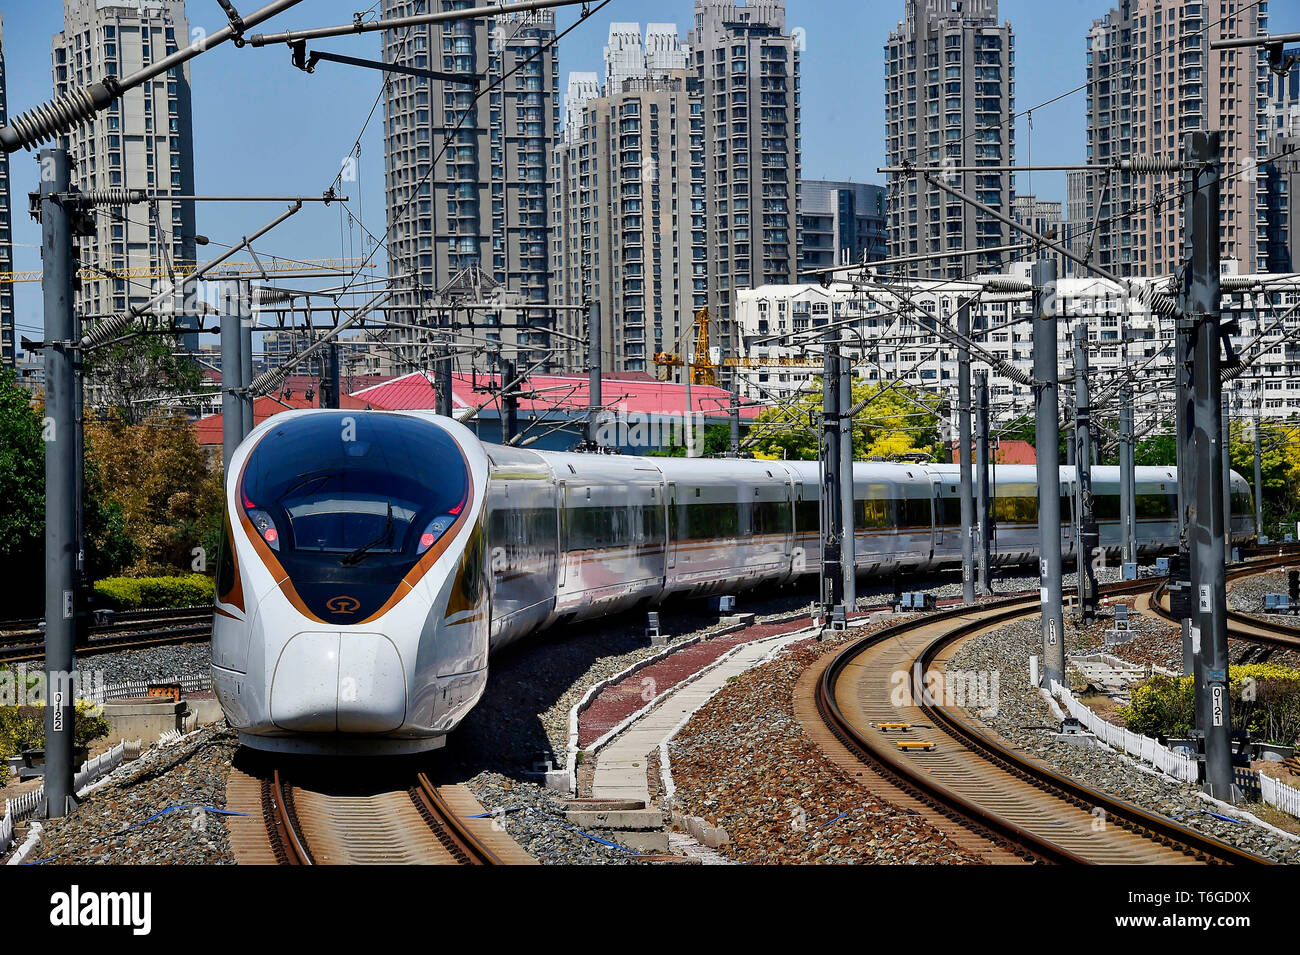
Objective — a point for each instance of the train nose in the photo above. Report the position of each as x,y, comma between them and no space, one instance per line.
338,682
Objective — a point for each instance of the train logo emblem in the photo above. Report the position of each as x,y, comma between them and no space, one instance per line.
343,604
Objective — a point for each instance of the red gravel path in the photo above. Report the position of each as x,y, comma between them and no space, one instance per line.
620,700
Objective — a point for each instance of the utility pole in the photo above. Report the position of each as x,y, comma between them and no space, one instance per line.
1087,536
1183,353
1127,477
966,472
848,545
246,320
509,402
594,399
1225,438
1203,451
442,375
61,341
983,517
1259,474
832,502
232,411
332,395
1048,439
733,414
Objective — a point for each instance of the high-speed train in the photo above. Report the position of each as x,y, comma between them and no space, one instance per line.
374,560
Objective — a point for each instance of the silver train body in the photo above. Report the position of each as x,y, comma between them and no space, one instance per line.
375,560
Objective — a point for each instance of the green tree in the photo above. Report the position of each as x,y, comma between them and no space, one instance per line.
1279,467
22,506
166,490
127,375
22,498
1158,450
896,419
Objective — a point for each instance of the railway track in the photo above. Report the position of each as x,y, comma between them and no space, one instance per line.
999,798
21,641
1267,634
419,824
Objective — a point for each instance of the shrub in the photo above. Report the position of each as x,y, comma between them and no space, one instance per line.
140,593
90,723
1265,700
23,727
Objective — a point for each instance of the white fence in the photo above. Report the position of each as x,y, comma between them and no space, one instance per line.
92,769
131,689
1279,794
1143,747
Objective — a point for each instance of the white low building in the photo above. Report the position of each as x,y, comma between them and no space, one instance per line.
884,330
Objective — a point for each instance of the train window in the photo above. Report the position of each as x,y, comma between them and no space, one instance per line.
912,512
597,528
353,500
1105,507
711,521
1243,504
652,524
225,562
950,511
876,509
873,513
354,485
1162,506
1016,504
771,517
807,516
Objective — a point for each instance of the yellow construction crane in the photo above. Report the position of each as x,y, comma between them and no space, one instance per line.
269,268
701,367
780,362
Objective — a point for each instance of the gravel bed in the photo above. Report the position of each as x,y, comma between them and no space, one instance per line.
535,819
1154,643
109,827
743,763
1246,594
152,663
1021,713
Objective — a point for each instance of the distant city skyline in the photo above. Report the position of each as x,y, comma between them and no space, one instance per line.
262,126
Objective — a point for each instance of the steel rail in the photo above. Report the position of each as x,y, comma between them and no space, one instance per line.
282,826
1158,829
448,827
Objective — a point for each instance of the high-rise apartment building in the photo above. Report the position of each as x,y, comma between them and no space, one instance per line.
840,223
1044,216
8,343
1283,168
1077,226
1152,79
142,141
949,101
623,179
745,218
466,176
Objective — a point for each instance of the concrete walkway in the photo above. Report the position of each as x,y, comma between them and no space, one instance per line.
621,766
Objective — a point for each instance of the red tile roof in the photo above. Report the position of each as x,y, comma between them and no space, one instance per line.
635,392
1009,451
630,392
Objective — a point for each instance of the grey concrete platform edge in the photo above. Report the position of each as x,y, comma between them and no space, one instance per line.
626,781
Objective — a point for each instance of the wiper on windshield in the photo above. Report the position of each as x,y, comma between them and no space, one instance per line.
314,478
358,555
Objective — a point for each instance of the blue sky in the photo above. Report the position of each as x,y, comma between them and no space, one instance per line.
263,127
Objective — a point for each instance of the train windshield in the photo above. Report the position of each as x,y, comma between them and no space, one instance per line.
355,498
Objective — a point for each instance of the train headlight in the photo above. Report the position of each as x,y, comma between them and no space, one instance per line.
437,527
265,526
